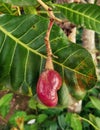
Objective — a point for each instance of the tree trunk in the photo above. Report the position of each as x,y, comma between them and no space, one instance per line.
98,2
88,38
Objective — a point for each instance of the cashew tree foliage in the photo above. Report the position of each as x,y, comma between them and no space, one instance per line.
23,55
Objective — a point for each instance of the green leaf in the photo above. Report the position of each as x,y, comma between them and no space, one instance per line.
30,10
32,127
20,2
61,121
68,118
94,91
63,95
89,105
16,115
92,118
76,122
7,9
5,100
95,121
95,101
23,54
98,122
41,106
41,118
53,126
53,111
5,104
32,103
86,15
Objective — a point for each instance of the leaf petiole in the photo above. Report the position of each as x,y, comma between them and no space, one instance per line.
49,64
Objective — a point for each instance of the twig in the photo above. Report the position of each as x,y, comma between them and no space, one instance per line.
49,11
49,64
18,8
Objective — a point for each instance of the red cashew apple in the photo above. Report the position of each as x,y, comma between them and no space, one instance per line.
48,84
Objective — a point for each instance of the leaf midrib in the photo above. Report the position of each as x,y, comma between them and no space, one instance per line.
34,51
20,42
77,12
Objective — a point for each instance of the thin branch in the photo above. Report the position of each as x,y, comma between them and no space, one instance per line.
49,11
18,8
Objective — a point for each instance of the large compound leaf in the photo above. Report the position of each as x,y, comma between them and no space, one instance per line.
23,54
87,15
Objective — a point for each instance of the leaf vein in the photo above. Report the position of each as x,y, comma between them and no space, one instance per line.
12,56
34,51
67,58
26,62
18,25
76,12
2,44
61,49
36,38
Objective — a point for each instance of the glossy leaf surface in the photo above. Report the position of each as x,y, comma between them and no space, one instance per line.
95,120
20,2
5,104
95,101
7,9
75,122
86,15
23,54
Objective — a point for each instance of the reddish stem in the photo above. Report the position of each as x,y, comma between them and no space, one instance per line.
49,64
